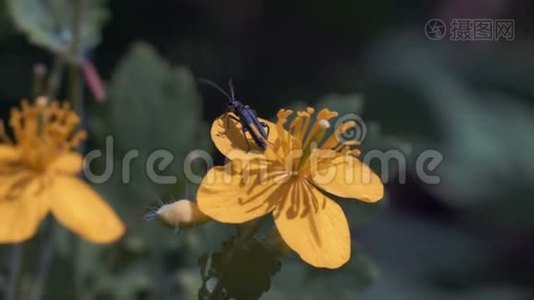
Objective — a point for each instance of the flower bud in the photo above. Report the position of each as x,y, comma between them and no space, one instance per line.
180,214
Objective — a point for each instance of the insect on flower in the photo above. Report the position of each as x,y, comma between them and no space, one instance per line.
244,114
292,180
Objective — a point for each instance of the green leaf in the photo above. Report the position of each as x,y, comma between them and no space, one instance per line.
49,23
152,107
243,271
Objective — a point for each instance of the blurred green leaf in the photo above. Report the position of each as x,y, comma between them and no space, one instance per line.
297,280
6,26
419,258
483,132
49,23
153,108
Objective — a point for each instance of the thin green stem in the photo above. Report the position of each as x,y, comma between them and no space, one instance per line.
44,260
15,268
54,80
75,94
76,246
75,78
75,89
38,80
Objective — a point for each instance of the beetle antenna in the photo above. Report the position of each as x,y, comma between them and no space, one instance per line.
216,86
231,85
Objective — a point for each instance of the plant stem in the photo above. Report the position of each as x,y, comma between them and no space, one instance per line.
75,83
15,268
54,80
75,94
76,246
44,260
76,267
38,80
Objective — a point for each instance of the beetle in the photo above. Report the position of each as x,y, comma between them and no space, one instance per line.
259,131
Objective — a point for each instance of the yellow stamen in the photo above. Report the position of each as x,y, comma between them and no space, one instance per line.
43,131
314,137
300,123
41,102
3,135
317,131
282,115
336,139
298,142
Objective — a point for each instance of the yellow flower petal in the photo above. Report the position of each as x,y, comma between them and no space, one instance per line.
69,163
230,140
347,177
229,197
314,226
79,208
20,216
18,221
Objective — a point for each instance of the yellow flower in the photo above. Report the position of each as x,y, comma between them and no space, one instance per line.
290,179
38,175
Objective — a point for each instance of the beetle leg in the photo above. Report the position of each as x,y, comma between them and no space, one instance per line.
266,127
234,118
245,130
227,117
